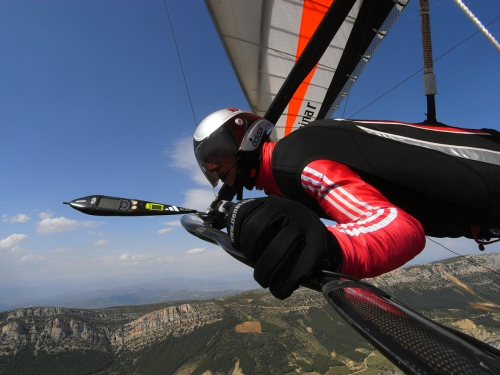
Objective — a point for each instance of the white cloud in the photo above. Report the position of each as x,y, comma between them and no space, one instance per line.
142,258
196,250
75,265
198,199
12,240
165,230
45,215
136,257
173,223
27,258
19,218
60,224
183,157
63,250
101,242
125,256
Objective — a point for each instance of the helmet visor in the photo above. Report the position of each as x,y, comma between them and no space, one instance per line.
216,154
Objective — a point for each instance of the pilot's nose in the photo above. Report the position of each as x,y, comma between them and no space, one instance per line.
212,167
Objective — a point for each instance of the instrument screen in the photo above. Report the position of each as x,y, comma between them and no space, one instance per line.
109,203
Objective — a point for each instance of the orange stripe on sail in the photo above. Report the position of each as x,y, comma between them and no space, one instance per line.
313,12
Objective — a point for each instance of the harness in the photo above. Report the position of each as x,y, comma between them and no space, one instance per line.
447,178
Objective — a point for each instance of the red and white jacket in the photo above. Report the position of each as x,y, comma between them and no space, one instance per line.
375,236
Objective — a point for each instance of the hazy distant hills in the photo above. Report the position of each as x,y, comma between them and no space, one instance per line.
165,289
248,333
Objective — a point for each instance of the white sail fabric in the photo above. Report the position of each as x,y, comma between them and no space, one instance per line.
264,39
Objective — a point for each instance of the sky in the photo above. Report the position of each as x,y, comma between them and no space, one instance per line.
93,101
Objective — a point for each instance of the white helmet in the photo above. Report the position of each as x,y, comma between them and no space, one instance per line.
228,130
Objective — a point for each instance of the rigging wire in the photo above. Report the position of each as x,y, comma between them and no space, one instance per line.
180,63
468,259
345,104
418,71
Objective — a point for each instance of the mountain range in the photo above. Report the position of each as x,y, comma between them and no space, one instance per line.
246,333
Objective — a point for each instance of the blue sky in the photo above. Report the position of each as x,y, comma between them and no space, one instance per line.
92,101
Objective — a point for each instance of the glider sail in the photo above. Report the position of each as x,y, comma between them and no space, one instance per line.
265,38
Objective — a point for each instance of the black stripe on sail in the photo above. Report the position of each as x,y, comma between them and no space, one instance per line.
316,47
371,17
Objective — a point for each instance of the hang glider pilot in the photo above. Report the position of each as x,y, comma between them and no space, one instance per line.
282,233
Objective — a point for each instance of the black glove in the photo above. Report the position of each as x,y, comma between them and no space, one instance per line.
216,214
285,240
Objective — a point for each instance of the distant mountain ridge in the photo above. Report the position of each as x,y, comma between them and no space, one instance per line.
432,275
165,289
427,286
301,333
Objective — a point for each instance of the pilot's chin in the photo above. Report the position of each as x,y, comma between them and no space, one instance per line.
230,183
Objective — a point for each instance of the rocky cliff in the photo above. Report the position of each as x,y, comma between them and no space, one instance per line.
60,328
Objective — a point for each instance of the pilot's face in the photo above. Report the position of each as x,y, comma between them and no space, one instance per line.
223,163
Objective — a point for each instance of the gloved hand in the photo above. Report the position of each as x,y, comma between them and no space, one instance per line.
217,213
285,240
